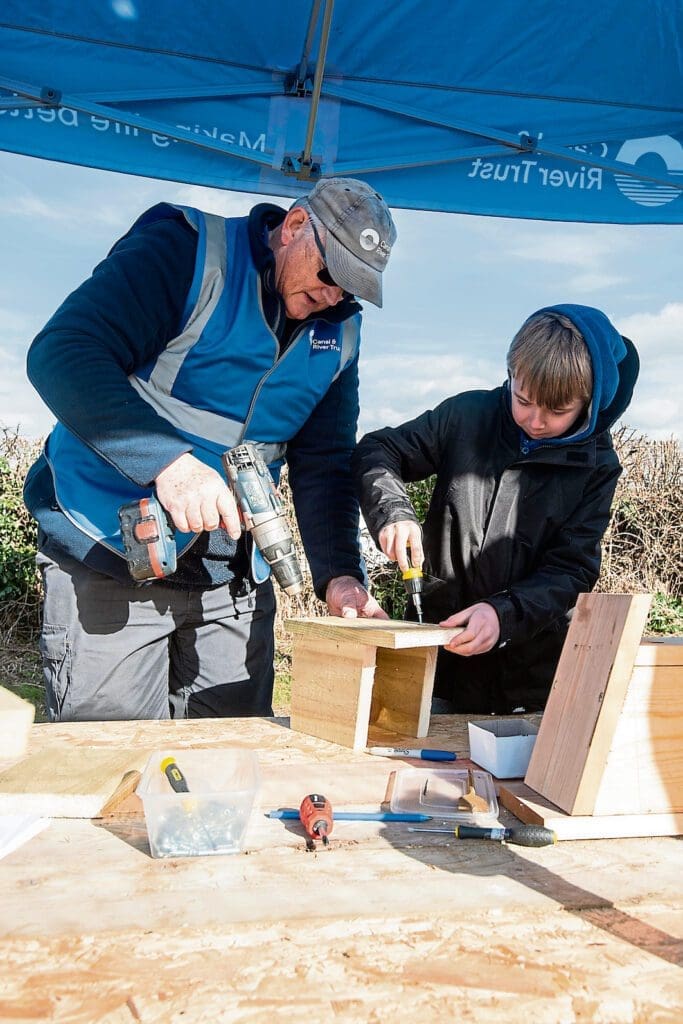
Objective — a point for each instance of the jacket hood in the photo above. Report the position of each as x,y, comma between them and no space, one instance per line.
615,367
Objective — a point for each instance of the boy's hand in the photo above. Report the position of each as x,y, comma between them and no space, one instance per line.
481,630
396,538
347,597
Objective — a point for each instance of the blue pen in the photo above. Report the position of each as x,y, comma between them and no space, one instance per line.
423,755
292,815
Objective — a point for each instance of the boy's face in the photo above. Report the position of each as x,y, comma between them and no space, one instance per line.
537,421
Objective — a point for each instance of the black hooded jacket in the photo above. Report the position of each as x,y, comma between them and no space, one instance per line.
517,528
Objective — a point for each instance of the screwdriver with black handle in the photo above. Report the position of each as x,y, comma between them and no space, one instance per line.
521,835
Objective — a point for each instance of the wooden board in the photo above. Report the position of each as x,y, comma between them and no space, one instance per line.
402,692
332,689
76,782
378,632
586,699
663,650
643,771
532,808
16,719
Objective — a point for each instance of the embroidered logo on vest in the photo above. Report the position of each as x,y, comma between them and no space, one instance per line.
319,343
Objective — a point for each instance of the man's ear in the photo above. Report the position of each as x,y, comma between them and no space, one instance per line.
293,223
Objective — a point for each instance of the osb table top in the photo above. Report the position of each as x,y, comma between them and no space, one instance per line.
385,924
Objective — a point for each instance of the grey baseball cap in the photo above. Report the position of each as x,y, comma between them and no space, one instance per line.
360,234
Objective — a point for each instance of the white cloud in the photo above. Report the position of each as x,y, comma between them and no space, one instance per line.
20,407
418,383
658,418
566,248
662,330
225,204
658,336
589,252
585,283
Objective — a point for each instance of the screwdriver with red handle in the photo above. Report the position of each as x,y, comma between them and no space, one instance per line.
317,818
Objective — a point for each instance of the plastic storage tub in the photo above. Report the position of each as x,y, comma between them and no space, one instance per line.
212,817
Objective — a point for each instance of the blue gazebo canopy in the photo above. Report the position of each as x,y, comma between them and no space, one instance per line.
522,108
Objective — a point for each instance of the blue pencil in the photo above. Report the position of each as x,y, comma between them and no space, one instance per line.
292,815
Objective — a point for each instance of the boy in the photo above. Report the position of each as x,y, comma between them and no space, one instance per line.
525,476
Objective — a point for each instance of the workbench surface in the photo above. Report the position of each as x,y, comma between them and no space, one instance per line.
385,925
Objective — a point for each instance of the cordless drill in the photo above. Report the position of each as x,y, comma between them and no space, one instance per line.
263,514
149,539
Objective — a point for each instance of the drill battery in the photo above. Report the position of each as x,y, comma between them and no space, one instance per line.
148,539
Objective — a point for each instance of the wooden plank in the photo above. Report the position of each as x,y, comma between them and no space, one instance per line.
644,768
613,696
16,719
332,689
665,650
533,809
379,632
70,783
402,691
586,698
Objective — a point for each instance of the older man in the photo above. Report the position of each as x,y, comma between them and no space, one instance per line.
195,333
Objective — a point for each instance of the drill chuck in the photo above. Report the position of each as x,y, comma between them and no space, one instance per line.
278,551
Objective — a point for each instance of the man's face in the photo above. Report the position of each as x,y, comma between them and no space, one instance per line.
297,263
537,421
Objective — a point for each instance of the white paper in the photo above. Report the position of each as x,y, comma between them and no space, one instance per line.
17,829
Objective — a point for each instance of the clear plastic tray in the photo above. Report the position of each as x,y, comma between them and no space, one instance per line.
441,793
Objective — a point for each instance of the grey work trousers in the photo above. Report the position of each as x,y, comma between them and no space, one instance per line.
113,652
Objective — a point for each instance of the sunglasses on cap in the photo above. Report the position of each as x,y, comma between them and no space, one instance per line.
324,276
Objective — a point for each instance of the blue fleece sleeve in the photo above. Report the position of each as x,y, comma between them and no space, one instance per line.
115,322
320,477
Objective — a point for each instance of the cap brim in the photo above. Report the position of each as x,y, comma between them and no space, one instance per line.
352,274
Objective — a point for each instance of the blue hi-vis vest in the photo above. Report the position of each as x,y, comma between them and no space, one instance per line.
219,382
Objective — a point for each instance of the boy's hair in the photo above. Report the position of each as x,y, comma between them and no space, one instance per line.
549,357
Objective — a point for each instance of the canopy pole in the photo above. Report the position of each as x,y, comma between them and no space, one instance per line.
308,168
317,83
303,63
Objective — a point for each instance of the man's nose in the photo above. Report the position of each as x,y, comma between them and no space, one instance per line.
333,294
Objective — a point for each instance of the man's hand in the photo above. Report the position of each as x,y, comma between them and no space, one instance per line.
197,497
481,632
347,597
396,538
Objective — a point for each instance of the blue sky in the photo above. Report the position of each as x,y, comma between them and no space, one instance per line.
456,290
